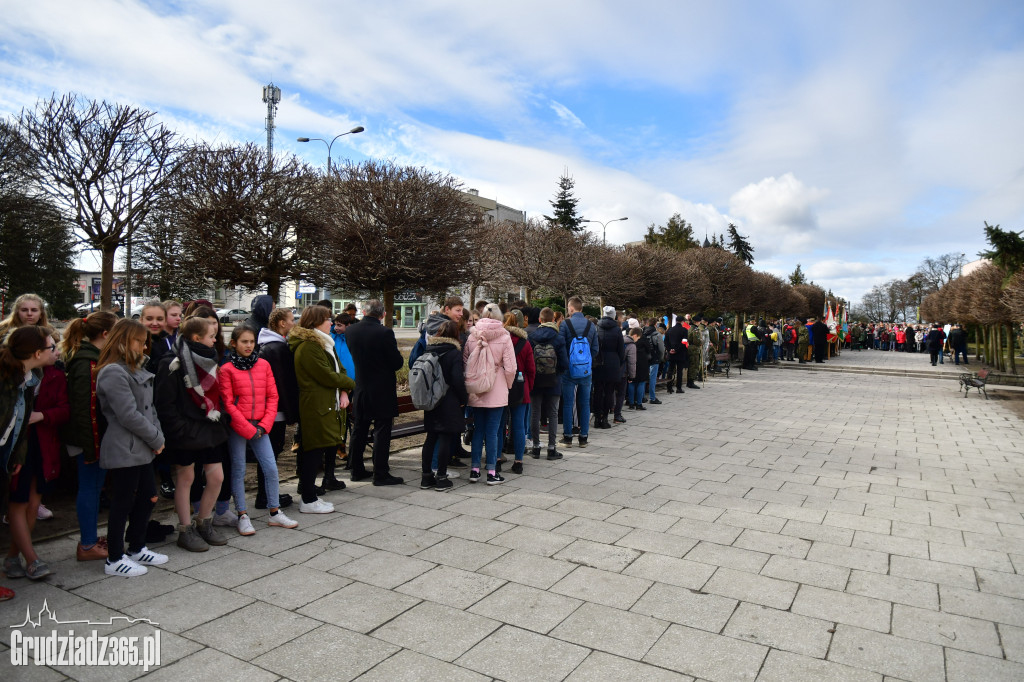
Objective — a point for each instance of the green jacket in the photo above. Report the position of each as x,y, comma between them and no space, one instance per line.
8,400
83,429
320,376
803,337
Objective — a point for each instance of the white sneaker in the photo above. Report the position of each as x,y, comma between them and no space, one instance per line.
147,557
245,525
124,567
226,519
43,514
279,519
452,474
316,507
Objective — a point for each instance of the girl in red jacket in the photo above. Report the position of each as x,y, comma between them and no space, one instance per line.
250,397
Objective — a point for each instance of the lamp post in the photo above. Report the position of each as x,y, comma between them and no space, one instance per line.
604,228
357,129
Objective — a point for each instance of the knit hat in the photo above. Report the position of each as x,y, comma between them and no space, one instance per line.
634,323
608,311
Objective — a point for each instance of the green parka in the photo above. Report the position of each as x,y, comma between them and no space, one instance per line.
83,429
321,377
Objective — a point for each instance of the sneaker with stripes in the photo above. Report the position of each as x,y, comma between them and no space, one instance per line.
147,557
124,567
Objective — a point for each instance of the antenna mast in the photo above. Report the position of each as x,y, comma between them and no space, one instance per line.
271,96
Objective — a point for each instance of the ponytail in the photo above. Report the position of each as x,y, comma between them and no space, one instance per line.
22,344
85,329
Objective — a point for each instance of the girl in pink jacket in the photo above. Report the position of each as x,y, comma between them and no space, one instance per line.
250,398
488,405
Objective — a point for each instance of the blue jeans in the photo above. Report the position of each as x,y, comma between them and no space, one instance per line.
265,456
570,387
651,381
486,421
635,392
517,429
90,483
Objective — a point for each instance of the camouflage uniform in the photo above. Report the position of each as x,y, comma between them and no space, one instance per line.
696,341
803,341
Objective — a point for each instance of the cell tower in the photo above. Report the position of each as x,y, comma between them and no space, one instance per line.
271,96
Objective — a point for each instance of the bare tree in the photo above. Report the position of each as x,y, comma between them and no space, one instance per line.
392,227
571,259
520,254
245,221
940,271
161,263
103,166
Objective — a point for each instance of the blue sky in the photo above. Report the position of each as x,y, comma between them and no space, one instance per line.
853,138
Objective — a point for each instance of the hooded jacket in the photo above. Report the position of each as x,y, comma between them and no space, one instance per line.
274,349
430,328
613,351
658,341
320,377
643,360
344,354
85,422
261,307
500,343
524,360
449,415
548,333
629,346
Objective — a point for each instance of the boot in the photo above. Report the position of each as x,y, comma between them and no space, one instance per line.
640,406
535,452
693,385
189,539
209,533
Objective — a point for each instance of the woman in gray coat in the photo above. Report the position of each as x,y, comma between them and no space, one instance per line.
133,438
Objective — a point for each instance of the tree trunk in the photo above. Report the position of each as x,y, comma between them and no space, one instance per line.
529,294
274,288
107,276
472,296
977,342
1011,349
389,305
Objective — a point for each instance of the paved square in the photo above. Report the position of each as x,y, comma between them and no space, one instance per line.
854,521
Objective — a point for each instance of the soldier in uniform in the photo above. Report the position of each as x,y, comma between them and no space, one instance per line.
696,345
713,341
803,340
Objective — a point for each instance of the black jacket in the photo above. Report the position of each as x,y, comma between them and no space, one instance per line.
819,332
612,351
957,338
449,414
183,422
377,358
282,364
674,342
643,358
935,340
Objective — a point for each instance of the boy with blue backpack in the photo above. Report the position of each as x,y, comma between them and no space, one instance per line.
580,338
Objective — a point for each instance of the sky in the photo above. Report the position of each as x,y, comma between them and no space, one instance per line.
855,139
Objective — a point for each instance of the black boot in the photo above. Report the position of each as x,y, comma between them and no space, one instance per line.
330,482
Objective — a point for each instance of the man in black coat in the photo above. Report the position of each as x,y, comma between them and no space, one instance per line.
375,400
676,351
819,334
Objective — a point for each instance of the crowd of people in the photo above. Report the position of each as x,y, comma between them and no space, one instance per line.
163,406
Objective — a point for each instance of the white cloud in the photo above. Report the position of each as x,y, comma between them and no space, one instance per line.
841,270
566,116
777,209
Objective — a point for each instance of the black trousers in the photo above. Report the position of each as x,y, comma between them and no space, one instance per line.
620,395
443,442
749,355
603,400
675,371
820,351
132,498
309,463
381,445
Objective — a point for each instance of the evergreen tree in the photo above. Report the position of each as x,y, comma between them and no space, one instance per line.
798,276
740,246
1007,248
677,234
564,205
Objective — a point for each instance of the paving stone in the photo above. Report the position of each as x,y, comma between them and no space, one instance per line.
117,593
528,569
270,541
595,555
214,665
970,556
780,630
855,522
451,586
772,543
890,544
945,629
961,665
691,509
293,587
544,658
530,517
706,531
436,630
783,666
359,607
172,648
350,528
751,587
634,518
602,587
670,570
693,608
480,508
1013,642
533,540
526,607
761,522
456,552
385,569
602,667
328,652
814,573
589,529
622,633
894,656
265,628
470,528
997,582
706,655
895,589
863,612
817,532
991,607
403,539
862,559
933,571
731,557
410,666
179,610
948,536
370,507
418,518
662,543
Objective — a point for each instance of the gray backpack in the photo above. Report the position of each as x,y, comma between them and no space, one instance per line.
426,381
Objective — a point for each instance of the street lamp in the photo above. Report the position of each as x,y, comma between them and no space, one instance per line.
357,129
604,227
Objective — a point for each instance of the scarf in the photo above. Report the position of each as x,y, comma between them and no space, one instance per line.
328,343
243,363
199,364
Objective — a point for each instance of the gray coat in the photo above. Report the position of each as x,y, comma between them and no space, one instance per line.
133,429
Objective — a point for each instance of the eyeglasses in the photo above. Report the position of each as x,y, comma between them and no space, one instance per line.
52,346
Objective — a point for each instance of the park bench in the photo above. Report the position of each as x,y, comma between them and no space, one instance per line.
723,363
411,428
976,381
